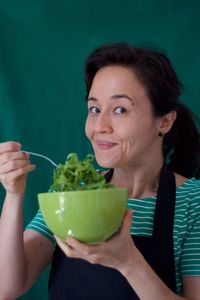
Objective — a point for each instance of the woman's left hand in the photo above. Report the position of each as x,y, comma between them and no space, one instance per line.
115,252
119,252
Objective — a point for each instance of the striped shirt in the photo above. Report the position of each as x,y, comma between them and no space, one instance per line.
186,231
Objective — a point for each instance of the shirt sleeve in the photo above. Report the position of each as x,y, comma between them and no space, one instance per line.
38,224
190,259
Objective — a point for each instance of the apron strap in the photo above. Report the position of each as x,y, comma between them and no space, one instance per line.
158,250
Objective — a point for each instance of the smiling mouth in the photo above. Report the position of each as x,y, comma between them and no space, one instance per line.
104,145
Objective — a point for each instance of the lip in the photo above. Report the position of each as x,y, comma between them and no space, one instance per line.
105,145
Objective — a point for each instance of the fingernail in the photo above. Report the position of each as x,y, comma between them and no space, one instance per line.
69,239
130,212
26,154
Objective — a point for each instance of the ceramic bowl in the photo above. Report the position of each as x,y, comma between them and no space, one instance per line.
91,216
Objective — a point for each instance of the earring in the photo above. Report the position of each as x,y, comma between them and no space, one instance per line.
160,134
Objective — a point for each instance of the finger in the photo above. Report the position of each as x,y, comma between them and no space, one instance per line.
81,248
73,248
8,156
23,171
9,146
6,178
13,165
64,247
127,221
81,251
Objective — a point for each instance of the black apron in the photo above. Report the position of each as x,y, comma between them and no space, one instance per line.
77,279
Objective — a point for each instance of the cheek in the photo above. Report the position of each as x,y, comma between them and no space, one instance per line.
88,128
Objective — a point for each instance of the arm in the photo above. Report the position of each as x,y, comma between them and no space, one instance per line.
154,288
120,253
22,255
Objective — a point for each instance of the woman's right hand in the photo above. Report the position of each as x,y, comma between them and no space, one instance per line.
14,167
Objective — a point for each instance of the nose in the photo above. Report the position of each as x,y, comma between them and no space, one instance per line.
103,123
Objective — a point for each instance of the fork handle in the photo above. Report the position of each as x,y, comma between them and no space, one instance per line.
40,155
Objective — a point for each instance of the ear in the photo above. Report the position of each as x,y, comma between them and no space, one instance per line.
165,122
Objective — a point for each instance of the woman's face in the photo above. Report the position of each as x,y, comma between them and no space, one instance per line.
120,122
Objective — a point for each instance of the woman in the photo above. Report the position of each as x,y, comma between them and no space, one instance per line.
149,141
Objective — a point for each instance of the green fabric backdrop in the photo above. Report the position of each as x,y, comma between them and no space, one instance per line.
43,45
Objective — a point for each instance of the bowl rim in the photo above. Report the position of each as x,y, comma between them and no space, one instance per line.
81,191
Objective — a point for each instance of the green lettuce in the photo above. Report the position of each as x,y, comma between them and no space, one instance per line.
75,175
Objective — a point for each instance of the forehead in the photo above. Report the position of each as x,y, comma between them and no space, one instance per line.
116,72
117,79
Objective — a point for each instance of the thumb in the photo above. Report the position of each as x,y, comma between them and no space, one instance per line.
127,221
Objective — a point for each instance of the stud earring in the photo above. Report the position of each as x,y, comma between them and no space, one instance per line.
160,134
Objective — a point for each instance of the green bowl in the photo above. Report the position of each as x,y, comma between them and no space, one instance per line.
91,216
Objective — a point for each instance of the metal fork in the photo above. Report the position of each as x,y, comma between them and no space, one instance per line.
40,155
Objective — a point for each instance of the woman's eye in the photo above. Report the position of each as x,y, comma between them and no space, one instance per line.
94,110
120,110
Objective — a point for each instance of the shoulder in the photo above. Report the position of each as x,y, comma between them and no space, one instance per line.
188,191
187,184
187,210
188,197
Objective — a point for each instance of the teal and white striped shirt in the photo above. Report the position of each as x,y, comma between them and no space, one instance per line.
186,232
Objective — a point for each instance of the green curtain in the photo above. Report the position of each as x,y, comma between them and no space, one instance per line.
43,46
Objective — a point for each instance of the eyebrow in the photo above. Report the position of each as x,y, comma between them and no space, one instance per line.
117,96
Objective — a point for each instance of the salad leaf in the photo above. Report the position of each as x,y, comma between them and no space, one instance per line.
76,175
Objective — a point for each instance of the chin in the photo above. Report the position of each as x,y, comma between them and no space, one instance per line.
106,162
108,158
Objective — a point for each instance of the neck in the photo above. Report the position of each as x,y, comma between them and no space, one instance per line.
141,180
